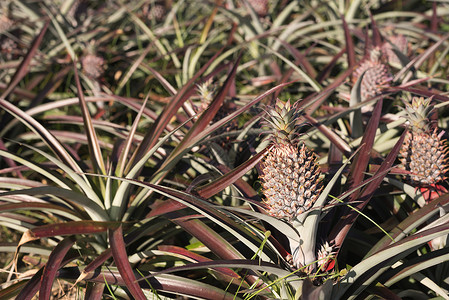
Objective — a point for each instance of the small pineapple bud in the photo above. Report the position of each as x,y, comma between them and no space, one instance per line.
423,153
92,66
326,258
400,43
206,91
376,75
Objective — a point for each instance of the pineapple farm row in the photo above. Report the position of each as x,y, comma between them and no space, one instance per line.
228,149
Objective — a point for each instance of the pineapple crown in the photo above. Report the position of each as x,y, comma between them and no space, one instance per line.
206,91
283,119
418,111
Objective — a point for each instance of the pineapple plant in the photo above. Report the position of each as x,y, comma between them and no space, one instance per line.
290,175
376,74
423,153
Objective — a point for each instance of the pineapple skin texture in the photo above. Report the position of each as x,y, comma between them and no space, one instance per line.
376,75
290,179
425,156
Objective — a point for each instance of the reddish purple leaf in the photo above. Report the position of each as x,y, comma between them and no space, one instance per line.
164,207
169,111
358,167
121,261
316,99
226,180
50,87
52,266
208,114
356,175
67,228
33,285
377,37
168,283
413,218
383,292
94,291
335,139
23,68
349,45
196,257
94,148
368,192
326,71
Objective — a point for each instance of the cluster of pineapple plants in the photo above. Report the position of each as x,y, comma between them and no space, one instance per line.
246,149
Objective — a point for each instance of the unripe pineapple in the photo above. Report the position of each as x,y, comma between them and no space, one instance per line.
290,177
376,75
423,153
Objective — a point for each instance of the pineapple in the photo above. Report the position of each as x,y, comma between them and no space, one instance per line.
423,152
376,75
290,174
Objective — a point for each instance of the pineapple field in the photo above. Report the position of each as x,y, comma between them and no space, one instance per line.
224,149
